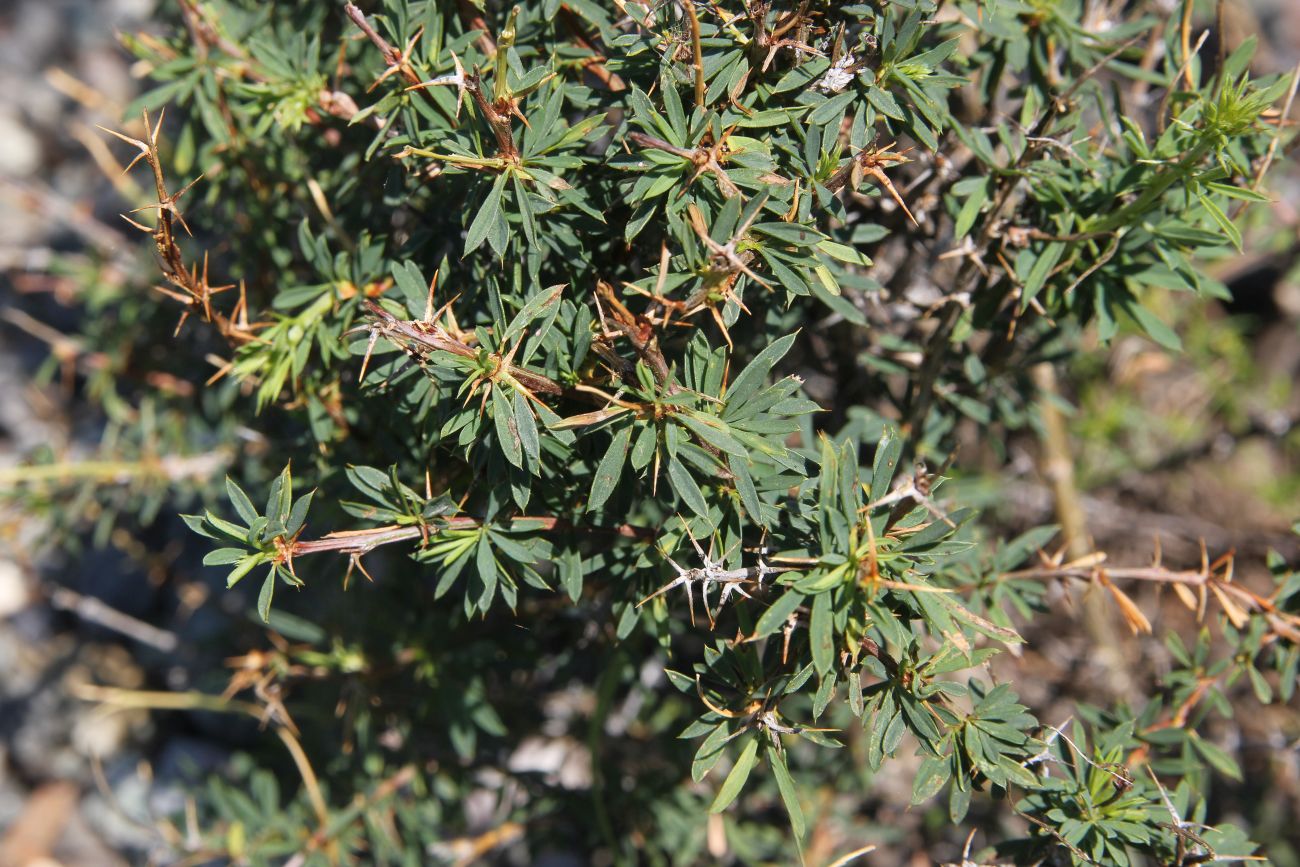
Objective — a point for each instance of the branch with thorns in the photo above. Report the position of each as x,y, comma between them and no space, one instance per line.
192,287
872,163
762,714
1192,586
731,581
705,158
418,338
767,43
718,278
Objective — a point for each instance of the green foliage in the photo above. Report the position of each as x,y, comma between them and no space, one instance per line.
528,322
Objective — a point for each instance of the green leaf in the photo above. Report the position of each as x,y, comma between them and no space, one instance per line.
821,633
1226,225
844,253
526,426
265,595
713,433
1216,756
489,214
687,489
789,793
775,617
970,210
607,473
832,108
298,514
1156,329
485,563
885,462
195,523
751,379
243,505
506,427
1040,271
745,488
541,304
415,289
930,778
883,101
280,495
735,782
224,556
710,751
245,566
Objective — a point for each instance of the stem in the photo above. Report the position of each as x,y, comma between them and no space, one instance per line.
697,54
497,115
1058,467
170,469
362,541
1155,189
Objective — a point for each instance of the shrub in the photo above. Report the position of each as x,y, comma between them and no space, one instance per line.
510,307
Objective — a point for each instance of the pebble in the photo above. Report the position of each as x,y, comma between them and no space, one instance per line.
14,593
20,151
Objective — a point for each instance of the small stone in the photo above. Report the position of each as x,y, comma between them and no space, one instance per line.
14,594
20,152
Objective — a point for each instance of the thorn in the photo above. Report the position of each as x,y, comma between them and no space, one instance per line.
370,347
428,302
140,226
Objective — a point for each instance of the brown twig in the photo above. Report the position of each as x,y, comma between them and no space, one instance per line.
705,158
638,330
97,611
195,289
364,541
596,63
1193,587
871,164
497,114
422,337
697,55
474,20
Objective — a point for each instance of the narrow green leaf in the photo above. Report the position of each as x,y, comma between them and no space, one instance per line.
224,556
735,782
745,488
265,595
535,308
685,486
831,108
1040,271
298,514
507,428
930,778
527,427
1216,756
885,462
243,505
712,432
821,633
279,496
751,379
486,218
1226,225
414,288
607,473
789,793
775,617
485,562
245,567
710,751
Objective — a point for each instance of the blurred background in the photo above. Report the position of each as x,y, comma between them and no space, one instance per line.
1194,447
